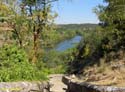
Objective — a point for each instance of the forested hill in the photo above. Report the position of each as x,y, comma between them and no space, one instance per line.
77,26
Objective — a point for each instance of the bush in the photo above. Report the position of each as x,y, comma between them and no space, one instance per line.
14,66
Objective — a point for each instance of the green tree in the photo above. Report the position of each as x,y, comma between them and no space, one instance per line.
14,20
39,12
112,18
32,19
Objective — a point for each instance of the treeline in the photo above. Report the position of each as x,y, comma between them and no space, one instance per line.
77,26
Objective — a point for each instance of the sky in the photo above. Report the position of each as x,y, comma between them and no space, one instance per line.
76,11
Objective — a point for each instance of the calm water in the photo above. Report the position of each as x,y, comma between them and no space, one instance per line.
70,43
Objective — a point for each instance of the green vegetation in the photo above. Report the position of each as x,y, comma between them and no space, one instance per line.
25,34
112,18
57,61
101,53
14,66
22,29
28,36
76,28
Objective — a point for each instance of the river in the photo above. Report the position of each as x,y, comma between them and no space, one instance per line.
67,44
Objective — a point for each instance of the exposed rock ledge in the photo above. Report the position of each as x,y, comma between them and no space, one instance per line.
86,87
24,87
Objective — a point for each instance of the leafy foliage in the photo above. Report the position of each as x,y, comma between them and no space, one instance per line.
14,66
112,18
109,37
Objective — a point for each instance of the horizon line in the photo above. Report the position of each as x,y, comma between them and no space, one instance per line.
74,23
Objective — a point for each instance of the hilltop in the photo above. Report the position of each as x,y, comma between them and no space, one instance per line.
86,26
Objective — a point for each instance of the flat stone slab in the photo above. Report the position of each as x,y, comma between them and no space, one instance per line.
87,87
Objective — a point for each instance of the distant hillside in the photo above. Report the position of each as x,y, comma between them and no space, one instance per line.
77,26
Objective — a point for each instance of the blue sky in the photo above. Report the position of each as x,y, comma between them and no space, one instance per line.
76,11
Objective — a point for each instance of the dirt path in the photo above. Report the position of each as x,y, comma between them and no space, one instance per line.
57,84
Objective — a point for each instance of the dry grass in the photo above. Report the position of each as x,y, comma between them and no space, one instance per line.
107,74
5,27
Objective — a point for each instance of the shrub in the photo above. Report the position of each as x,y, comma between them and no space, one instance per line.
14,66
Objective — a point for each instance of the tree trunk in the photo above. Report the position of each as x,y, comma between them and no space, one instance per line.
36,45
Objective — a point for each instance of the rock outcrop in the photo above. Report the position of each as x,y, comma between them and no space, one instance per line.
24,87
87,87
